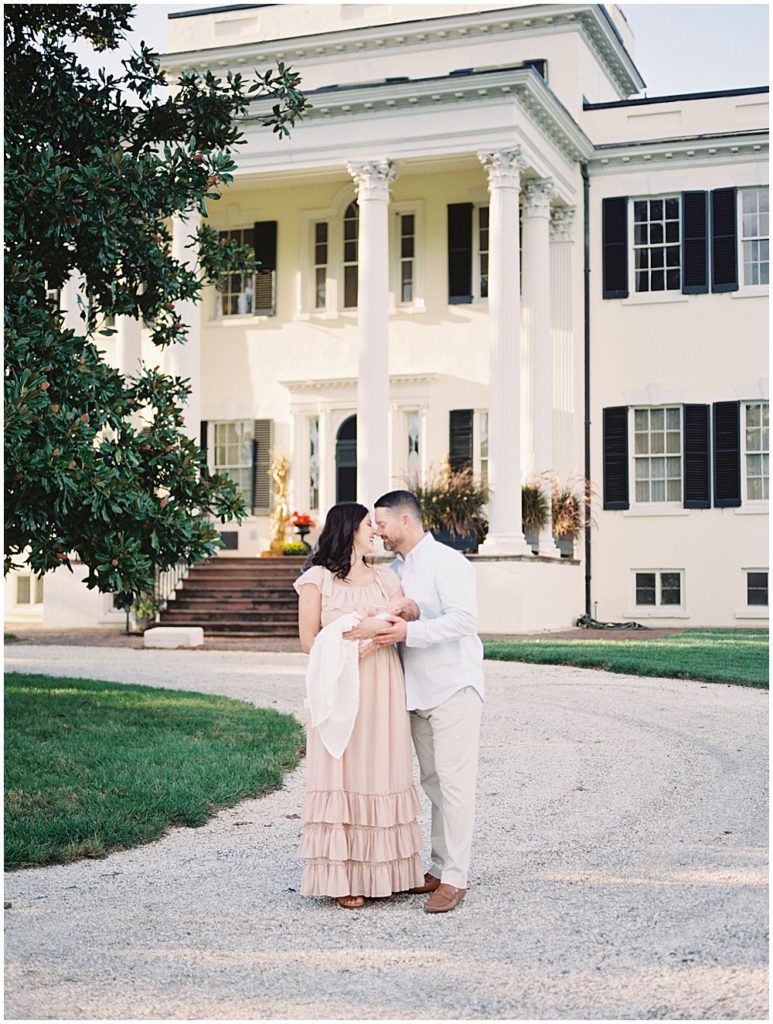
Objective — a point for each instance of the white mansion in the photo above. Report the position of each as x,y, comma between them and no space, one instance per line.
477,245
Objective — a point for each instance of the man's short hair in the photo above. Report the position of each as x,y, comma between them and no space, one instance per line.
400,501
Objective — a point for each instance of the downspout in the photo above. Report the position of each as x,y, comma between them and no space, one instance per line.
586,319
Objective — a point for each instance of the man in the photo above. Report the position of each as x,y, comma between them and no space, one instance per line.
443,660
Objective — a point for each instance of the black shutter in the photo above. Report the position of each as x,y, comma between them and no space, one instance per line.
614,247
261,467
697,457
265,244
724,255
615,430
727,454
460,439
203,445
695,243
459,253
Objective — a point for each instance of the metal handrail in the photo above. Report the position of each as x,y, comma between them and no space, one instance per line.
166,584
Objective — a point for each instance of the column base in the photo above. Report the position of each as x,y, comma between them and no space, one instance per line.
547,547
505,544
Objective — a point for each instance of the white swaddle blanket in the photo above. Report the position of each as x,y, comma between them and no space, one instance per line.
333,683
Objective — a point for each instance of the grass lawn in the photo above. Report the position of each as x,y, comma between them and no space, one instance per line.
93,766
718,655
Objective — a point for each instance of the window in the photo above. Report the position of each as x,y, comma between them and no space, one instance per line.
29,590
755,236
233,453
237,291
314,461
657,244
413,458
351,233
407,256
757,451
757,588
658,454
320,266
483,236
483,444
659,589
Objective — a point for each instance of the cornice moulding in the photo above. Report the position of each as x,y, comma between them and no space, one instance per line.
460,28
696,149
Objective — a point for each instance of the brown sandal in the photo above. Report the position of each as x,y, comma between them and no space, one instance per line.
350,902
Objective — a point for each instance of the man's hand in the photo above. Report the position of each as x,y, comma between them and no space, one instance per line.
370,628
405,608
394,634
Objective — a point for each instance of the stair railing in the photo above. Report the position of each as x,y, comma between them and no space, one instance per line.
166,584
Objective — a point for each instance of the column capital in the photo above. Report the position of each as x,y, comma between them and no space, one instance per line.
372,178
536,197
562,223
503,166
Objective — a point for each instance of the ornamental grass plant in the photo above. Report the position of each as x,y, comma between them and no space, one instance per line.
453,500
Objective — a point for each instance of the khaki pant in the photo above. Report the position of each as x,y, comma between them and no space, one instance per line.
446,739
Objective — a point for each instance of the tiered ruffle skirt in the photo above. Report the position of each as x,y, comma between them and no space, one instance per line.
361,837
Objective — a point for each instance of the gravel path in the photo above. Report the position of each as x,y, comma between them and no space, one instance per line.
619,872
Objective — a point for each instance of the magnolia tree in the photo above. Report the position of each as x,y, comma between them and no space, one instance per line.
95,168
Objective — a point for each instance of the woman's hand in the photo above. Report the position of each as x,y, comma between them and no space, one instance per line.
404,608
370,628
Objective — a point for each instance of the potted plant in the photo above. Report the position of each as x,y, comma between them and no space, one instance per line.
534,513
295,547
280,509
453,507
302,523
142,613
571,509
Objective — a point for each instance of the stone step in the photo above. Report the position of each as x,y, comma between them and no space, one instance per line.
172,615
264,628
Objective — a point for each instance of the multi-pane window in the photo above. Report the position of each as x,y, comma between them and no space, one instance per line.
233,453
755,236
351,232
314,462
655,589
483,244
658,454
657,244
757,588
29,590
407,255
413,461
483,427
757,451
320,267
236,296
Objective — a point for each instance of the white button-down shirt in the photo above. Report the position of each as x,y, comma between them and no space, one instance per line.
443,652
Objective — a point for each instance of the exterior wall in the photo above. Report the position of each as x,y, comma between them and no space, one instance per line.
526,595
675,349
69,605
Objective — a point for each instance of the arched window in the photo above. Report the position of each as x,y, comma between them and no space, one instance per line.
346,460
351,232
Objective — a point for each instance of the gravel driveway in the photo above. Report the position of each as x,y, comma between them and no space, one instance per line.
619,871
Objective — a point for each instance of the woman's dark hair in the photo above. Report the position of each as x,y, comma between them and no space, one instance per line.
336,542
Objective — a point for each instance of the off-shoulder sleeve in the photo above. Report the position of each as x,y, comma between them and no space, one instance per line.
319,576
389,580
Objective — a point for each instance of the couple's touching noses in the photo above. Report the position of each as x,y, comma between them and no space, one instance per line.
368,699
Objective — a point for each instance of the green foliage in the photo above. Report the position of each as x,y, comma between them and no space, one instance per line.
454,501
295,547
93,766
723,656
534,507
95,461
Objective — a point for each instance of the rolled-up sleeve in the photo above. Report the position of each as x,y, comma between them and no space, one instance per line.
455,583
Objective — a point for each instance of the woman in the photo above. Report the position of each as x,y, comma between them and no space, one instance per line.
361,837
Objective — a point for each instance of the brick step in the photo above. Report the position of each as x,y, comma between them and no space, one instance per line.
215,590
264,628
259,562
248,601
173,615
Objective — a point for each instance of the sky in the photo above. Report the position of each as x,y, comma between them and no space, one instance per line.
679,47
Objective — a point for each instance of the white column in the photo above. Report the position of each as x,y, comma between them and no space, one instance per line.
74,319
539,339
561,256
373,476
327,464
505,525
128,345
183,359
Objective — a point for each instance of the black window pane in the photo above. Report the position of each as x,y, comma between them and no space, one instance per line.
640,211
408,224
483,217
658,282
672,280
672,231
657,256
320,232
642,283
757,588
320,254
406,247
350,287
642,259
672,209
656,209
350,252
656,234
641,235
670,588
645,588
672,256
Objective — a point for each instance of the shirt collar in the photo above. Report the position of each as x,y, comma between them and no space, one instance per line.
424,544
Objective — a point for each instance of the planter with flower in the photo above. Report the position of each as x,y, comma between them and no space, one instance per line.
453,507
302,523
534,513
568,504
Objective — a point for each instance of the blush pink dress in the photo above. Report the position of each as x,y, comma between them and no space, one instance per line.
361,837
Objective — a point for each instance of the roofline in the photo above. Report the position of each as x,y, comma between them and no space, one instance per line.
217,10
677,97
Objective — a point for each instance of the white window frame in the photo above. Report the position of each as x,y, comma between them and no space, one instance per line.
758,503
663,293
219,315
36,585
212,453
397,212
752,611
658,610
309,419
477,298
480,428
315,265
749,289
655,506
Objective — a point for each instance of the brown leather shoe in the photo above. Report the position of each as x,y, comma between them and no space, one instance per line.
444,898
430,884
